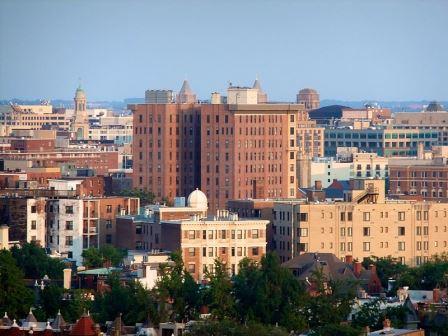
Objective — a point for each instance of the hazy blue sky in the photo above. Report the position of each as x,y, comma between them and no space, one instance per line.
353,50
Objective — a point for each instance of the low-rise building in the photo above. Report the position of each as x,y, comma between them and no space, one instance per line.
364,224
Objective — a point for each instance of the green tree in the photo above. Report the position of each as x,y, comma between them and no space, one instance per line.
331,303
94,258
278,294
387,268
35,263
146,197
15,298
79,302
219,292
232,328
178,294
51,300
131,300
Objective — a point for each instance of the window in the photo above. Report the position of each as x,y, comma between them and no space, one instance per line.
349,216
68,241
191,234
401,246
191,251
366,231
109,239
239,251
342,232
239,234
210,234
69,209
418,230
210,251
255,251
366,216
108,224
350,247
342,216
223,234
425,215
109,208
425,230
69,225
342,247
349,231
33,225
366,246
191,268
401,215
303,217
303,232
401,230
255,233
33,209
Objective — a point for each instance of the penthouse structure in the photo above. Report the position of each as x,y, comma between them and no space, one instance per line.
364,224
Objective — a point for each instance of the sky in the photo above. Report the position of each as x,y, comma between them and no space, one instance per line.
345,49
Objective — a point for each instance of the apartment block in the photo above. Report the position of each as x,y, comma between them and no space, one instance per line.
248,151
427,178
365,224
223,236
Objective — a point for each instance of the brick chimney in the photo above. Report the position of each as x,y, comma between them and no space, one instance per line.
357,267
436,295
349,259
318,185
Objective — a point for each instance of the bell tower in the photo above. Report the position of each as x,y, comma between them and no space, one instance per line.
80,125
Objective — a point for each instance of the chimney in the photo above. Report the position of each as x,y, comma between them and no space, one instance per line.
436,295
349,259
357,267
318,185
67,278
420,151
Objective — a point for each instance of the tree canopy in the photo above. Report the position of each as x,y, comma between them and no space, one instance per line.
94,257
15,298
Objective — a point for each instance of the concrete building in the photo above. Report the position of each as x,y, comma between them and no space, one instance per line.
380,140
308,97
242,95
75,224
364,224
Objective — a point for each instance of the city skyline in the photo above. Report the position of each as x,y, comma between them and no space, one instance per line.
279,42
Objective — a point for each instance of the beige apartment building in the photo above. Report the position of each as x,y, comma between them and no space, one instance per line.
365,224
224,236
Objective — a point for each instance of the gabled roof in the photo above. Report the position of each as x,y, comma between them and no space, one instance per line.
58,322
84,327
331,266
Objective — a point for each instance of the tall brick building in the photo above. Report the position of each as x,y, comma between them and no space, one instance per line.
228,150
166,148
